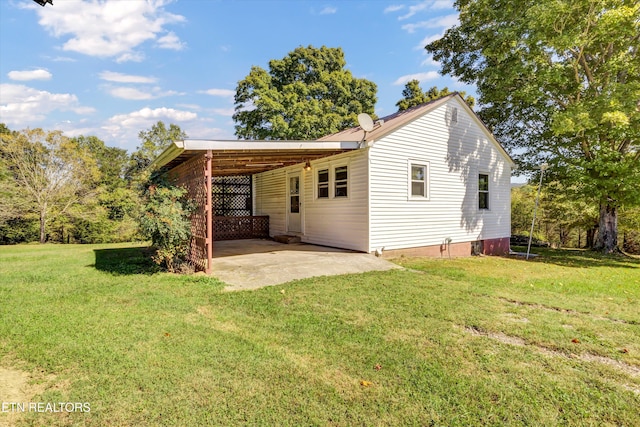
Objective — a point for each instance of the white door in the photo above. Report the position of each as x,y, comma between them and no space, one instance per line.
294,204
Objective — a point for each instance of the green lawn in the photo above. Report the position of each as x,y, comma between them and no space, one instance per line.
475,341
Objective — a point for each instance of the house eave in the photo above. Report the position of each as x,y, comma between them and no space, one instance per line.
249,157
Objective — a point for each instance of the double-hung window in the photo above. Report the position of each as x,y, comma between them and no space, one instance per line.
483,191
323,184
418,180
340,182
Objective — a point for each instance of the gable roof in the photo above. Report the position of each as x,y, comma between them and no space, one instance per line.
234,157
392,122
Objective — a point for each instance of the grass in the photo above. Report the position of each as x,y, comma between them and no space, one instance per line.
475,341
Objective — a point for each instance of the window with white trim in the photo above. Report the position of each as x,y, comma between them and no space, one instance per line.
483,191
418,180
323,184
341,181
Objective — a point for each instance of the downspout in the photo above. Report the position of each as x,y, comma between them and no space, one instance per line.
209,212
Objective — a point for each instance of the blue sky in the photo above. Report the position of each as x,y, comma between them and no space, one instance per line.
112,68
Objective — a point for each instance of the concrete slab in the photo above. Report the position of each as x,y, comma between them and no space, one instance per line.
252,264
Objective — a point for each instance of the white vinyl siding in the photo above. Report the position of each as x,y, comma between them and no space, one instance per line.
271,199
457,153
334,221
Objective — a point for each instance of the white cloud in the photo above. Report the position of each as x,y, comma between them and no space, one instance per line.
29,75
227,112
124,128
427,5
442,4
129,93
130,57
138,95
170,41
25,105
421,77
189,106
328,10
446,21
225,93
112,76
429,61
428,39
108,28
393,8
415,9
147,115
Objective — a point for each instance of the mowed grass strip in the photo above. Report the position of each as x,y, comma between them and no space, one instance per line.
476,341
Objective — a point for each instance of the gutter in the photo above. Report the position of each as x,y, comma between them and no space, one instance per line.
169,153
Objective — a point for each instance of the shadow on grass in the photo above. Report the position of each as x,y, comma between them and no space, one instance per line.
125,261
580,258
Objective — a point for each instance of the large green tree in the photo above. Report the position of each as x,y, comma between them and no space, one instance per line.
53,174
413,95
559,81
305,95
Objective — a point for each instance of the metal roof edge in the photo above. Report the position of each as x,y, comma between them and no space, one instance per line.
241,144
169,153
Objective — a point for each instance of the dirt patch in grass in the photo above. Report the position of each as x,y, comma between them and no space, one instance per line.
631,370
566,311
16,388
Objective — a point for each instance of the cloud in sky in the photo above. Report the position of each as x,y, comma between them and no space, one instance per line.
170,41
439,22
135,94
225,93
22,104
393,8
125,127
112,76
420,7
29,75
138,119
421,77
328,10
110,29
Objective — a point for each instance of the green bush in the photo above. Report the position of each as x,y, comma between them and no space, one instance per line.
166,221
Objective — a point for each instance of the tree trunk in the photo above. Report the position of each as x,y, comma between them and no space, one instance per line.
43,218
591,236
607,241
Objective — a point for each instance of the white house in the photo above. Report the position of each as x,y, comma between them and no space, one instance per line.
431,180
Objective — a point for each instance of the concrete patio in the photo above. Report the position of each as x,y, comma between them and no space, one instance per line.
252,264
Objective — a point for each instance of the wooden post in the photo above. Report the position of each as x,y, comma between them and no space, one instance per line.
209,212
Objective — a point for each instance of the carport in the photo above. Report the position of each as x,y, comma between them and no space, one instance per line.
194,164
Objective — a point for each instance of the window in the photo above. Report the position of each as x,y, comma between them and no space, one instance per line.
418,180
323,184
483,191
454,115
341,181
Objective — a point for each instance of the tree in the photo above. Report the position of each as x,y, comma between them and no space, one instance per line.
559,82
305,95
154,141
52,172
111,161
412,95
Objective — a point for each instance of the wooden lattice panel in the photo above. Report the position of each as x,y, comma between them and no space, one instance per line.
240,227
191,175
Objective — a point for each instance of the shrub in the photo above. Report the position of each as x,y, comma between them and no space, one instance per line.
166,221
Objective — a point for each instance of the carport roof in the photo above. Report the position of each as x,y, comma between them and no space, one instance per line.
242,157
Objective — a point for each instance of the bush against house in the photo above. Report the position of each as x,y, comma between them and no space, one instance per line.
166,221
